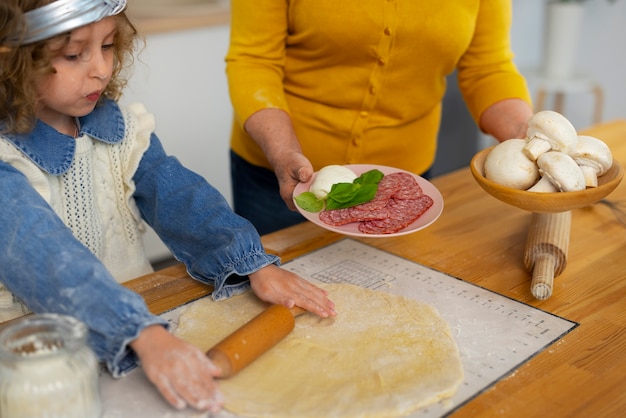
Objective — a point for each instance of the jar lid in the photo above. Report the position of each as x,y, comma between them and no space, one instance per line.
42,335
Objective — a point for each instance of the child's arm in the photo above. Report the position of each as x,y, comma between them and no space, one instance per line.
276,285
194,220
197,224
43,264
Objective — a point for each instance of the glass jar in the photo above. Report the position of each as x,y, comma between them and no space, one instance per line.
47,370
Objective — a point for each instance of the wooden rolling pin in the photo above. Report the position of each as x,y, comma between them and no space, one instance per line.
254,338
546,250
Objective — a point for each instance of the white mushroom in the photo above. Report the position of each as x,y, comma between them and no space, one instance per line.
561,171
329,175
507,165
594,158
548,130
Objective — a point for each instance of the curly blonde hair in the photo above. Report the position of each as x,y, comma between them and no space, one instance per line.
22,67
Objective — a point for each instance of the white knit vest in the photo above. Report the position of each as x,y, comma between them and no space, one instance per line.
94,199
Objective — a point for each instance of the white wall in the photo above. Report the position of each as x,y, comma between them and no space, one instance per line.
601,54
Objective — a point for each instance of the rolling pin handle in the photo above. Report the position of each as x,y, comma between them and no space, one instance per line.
546,250
543,276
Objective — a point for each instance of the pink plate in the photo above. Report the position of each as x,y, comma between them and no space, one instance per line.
352,229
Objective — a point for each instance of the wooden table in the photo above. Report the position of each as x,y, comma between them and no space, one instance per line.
481,240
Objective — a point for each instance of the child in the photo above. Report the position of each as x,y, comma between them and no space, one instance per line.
78,175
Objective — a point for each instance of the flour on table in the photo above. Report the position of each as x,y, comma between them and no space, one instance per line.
381,356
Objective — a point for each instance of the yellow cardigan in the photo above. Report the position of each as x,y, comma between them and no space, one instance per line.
363,80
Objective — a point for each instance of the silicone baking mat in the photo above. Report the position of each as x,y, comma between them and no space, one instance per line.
495,334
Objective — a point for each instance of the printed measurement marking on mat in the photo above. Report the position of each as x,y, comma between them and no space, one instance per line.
495,334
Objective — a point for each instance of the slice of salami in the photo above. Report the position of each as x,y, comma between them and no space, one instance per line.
388,186
408,187
402,212
338,217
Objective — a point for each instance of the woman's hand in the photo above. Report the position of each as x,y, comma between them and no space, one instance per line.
273,131
182,373
289,171
506,119
276,285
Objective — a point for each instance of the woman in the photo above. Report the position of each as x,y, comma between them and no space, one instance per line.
322,82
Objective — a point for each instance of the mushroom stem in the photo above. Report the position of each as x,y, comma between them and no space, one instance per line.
591,176
535,147
544,185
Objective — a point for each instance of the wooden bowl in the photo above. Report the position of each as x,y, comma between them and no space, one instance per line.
546,202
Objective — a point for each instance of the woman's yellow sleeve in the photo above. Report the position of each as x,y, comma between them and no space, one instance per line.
256,56
486,72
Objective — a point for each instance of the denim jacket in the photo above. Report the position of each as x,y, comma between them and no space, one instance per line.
43,264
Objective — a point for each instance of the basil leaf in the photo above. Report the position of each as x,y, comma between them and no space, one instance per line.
370,177
342,192
343,195
332,204
309,202
362,194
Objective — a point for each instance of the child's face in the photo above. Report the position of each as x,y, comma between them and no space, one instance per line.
83,70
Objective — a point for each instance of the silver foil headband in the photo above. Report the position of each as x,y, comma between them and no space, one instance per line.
65,15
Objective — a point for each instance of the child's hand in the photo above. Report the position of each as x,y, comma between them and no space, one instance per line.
181,372
276,285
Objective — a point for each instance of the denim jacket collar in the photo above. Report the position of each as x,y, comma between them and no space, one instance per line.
54,152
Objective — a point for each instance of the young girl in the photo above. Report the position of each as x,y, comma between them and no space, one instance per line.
79,175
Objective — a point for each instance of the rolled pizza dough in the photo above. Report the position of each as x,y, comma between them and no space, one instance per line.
381,356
